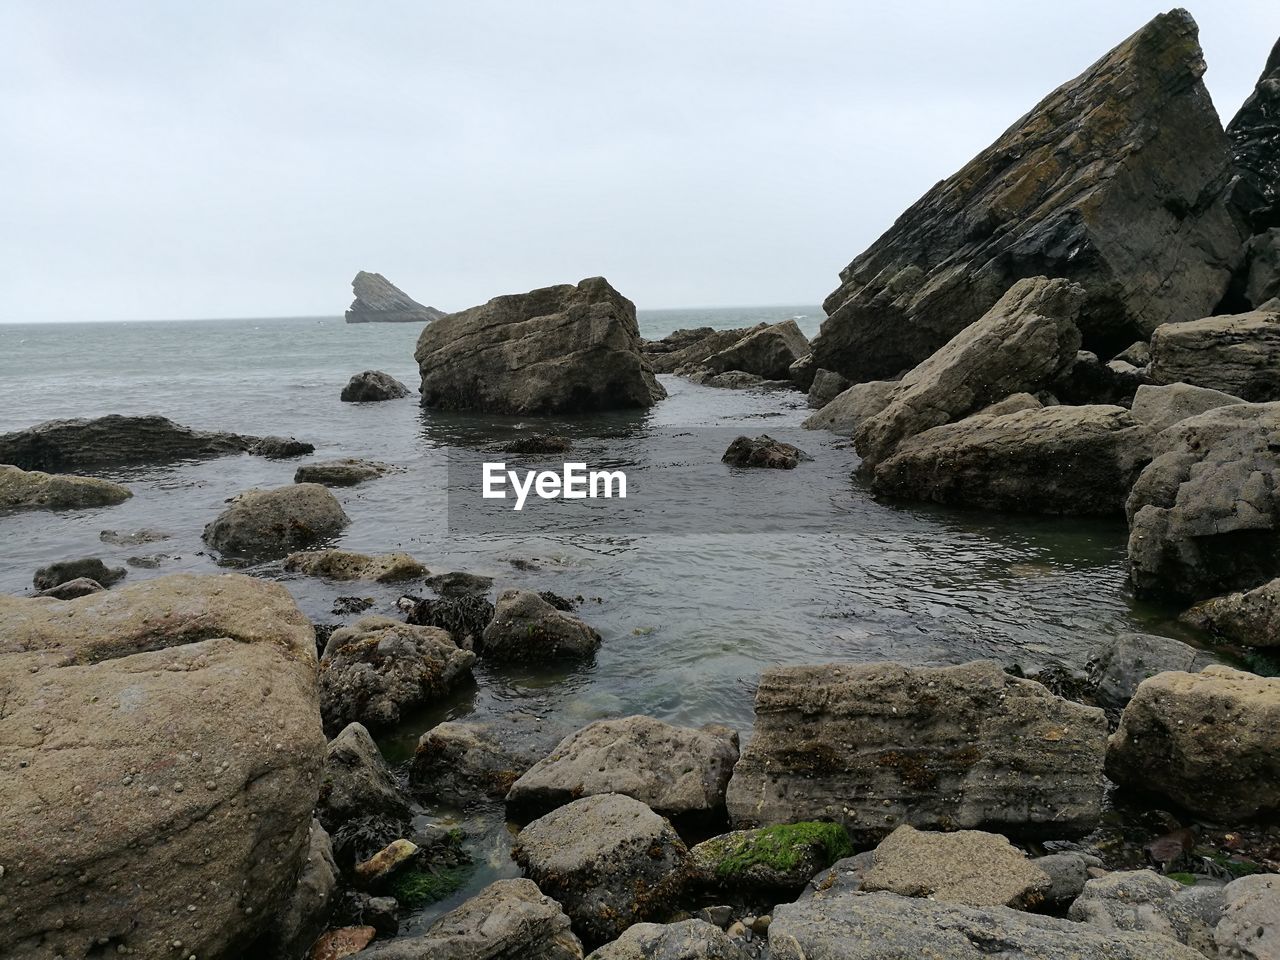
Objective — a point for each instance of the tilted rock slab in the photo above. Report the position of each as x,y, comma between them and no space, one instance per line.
768,353
347,565
36,490
563,349
875,746
1160,407
378,300
160,752
691,347
462,761
851,407
1251,619
1255,145
1116,179
1120,666
1238,354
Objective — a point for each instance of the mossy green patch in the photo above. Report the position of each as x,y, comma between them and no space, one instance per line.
1237,868
1186,879
782,848
416,888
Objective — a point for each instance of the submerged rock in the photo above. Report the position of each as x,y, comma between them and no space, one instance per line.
462,761
273,522
1251,619
380,301
767,353
1117,180
527,628
372,386
346,565
346,472
35,490
561,349
771,860
75,444
764,451
458,584
1238,355
685,940
65,571
878,745
1161,407
465,617
1124,662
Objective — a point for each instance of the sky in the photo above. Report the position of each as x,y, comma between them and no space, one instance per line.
164,160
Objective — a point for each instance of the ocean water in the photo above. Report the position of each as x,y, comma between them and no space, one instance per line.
689,619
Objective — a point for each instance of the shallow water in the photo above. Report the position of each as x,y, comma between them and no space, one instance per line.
689,620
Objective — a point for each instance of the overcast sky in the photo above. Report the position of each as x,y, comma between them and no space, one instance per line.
169,160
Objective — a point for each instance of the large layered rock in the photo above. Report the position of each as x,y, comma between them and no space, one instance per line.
1255,146
849,408
58,445
160,751
1209,741
767,352
561,349
684,348
875,746
1143,900
1018,346
267,523
1116,180
1249,618
1121,665
678,771
380,301
507,919
1204,516
1238,354
372,386
1055,460
348,565
35,490
1160,407
609,860
526,628
686,940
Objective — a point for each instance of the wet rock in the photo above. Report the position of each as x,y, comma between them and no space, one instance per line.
307,912
280,448
465,618
273,522
1255,145
376,670
362,909
1251,619
844,876
850,408
460,762
770,860
538,444
1248,927
735,380
346,472
685,940
342,942
457,584
826,386
346,565
968,867
1116,180
380,301
64,571
853,926
1262,272
561,349
763,451
679,772
149,562
874,746
1068,873
1125,661
1159,407
1238,354
371,386
609,860
70,589
356,781
134,539
343,606
767,353
74,444
1145,901
802,372
684,348
1054,460
35,490
509,918
527,628
1209,741
159,739
1020,345
391,859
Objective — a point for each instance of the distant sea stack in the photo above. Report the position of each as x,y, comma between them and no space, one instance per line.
378,300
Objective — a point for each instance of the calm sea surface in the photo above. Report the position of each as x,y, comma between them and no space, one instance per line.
688,621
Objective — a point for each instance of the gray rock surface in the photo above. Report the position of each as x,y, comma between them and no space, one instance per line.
456,584
526,628
348,565
685,940
1248,929
769,861
380,301
875,746
345,472
767,353
1137,353
561,349
356,781
1125,661
826,386
64,571
1210,741
764,451
1116,179
802,372
1237,354
79,587
306,913
1089,380
684,348
1160,407
1068,873
851,407
609,860
1262,279
36,490
1251,619
267,523
372,386
1143,900
459,762
1255,145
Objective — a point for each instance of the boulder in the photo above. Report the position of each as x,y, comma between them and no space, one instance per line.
161,753
1204,516
1116,180
1143,900
679,772
342,942
509,918
848,409
527,628
609,860
306,913
844,876
802,372
874,746
357,782
88,568
460,762
1209,741
457,584
1237,354
1068,873
968,867
1119,668
346,565
118,539
767,353
79,587
875,926
734,380
59,445
763,451
770,860
1255,146
1251,619
1262,272
465,618
1054,460
1137,353
561,349
1248,927
346,472
372,386
1160,407
35,490
267,523
379,301
690,348
826,386
685,940
376,670
1018,346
